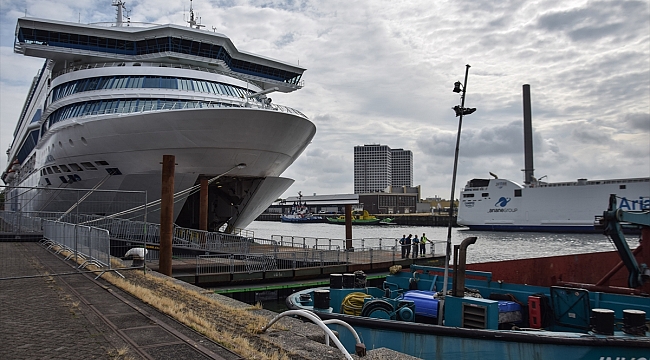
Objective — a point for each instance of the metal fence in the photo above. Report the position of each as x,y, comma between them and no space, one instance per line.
19,223
432,247
260,262
291,259
88,245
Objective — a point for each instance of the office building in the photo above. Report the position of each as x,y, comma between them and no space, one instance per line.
377,167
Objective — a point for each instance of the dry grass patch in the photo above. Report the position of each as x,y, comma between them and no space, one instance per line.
217,321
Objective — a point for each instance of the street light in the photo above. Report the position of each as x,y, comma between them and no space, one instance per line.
460,111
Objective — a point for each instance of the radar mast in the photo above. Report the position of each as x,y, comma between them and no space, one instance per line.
192,21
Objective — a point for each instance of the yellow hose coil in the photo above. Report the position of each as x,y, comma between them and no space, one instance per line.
353,303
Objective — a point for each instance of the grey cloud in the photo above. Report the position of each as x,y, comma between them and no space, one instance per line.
588,135
638,121
284,40
596,20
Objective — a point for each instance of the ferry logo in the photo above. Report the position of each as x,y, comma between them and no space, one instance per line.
501,184
503,201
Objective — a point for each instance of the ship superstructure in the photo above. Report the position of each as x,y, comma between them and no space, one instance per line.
110,101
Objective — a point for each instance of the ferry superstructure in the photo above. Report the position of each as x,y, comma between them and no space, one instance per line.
110,101
572,206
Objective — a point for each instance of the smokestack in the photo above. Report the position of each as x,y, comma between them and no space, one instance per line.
528,138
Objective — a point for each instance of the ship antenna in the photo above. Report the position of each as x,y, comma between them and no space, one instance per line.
120,6
192,21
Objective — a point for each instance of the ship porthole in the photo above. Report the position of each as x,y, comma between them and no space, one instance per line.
71,142
60,145
83,140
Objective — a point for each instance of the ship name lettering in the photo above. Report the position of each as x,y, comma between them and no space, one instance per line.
643,203
501,210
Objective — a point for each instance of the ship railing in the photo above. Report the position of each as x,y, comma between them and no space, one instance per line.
184,105
139,62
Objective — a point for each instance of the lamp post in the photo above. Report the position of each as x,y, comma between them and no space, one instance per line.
460,111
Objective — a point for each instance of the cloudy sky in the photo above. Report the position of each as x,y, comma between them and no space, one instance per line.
381,72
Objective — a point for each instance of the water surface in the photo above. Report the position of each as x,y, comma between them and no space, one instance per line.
489,246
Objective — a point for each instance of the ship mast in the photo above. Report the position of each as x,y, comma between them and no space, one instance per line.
120,6
192,21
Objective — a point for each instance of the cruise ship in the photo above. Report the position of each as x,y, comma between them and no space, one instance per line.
504,205
112,99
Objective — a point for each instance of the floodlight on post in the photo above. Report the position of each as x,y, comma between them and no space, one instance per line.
460,111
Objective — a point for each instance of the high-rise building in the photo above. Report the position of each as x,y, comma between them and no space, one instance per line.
402,167
377,167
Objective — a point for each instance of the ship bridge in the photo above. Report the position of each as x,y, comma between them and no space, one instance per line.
68,43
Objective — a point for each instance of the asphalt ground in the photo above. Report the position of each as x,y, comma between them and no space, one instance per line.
48,310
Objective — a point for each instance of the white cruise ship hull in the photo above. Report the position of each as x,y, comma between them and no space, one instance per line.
503,205
205,142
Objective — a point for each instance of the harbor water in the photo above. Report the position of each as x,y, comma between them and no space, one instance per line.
489,246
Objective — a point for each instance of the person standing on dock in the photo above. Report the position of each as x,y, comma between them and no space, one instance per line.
407,243
402,242
416,245
423,245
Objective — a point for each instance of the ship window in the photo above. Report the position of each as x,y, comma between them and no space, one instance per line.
76,177
468,195
88,166
75,167
48,181
622,187
64,168
56,169
71,178
485,194
113,171
49,171
101,162
63,180
517,192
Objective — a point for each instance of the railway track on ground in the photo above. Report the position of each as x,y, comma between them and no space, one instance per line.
150,334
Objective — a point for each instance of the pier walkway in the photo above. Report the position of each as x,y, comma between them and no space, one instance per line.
44,316
49,309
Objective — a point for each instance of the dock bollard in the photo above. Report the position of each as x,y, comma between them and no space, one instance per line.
321,299
336,281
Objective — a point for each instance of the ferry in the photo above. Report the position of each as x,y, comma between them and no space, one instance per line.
496,204
504,205
111,99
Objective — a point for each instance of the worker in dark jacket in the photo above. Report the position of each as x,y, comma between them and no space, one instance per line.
416,246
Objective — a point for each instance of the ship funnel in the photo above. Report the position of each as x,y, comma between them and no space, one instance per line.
528,138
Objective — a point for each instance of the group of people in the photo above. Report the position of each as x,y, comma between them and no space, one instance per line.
419,245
